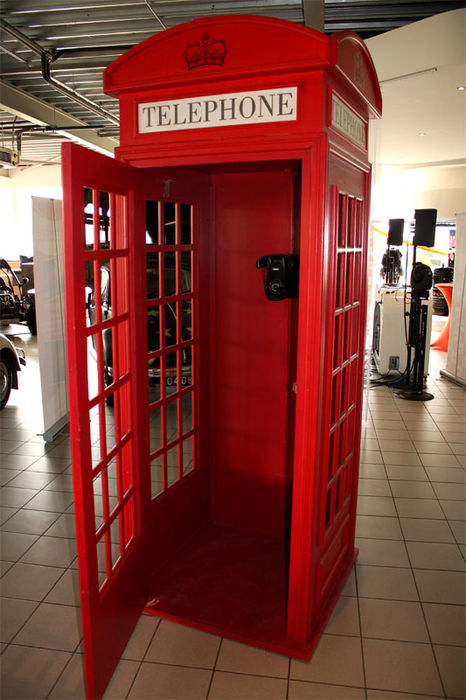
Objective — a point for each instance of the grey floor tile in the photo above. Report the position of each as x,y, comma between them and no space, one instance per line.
401,666
374,487
412,489
439,460
454,492
15,497
6,475
418,508
393,619
14,614
302,690
174,643
446,623
241,658
159,682
452,662
322,667
29,581
441,586
141,638
434,555
459,530
446,474
386,582
235,686
454,510
13,545
379,527
30,672
54,501
52,627
31,522
382,552
426,530
51,551
376,505
66,589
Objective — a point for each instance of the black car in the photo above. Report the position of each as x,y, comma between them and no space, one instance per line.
17,305
153,328
440,276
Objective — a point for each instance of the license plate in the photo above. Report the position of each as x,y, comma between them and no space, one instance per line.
186,380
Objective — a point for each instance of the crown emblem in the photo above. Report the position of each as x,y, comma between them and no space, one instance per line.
207,52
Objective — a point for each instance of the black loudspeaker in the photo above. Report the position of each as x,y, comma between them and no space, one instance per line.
395,231
424,228
421,278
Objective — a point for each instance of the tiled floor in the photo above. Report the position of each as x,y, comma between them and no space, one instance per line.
398,630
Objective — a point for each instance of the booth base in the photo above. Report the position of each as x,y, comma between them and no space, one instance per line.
234,584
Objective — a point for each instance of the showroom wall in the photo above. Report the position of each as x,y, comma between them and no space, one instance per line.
419,145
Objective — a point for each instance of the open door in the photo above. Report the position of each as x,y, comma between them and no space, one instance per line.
100,218
133,353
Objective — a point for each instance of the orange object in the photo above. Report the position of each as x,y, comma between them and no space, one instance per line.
442,341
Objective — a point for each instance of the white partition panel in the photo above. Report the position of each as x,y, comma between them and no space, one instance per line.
48,277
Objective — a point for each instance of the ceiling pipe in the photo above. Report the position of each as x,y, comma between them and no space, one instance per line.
46,57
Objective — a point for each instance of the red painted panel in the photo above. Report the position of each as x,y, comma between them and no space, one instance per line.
244,46
108,526
254,214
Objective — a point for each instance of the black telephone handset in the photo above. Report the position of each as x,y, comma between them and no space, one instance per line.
280,274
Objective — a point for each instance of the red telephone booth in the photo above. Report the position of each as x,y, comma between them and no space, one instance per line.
215,421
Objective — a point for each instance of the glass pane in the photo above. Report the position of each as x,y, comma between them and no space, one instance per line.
169,227
172,465
154,380
119,288
152,272
185,224
98,505
185,271
92,365
90,296
188,461
104,220
170,324
88,218
112,478
115,539
169,274
186,367
152,222
172,421
105,296
187,408
171,373
153,328
155,430
186,320
156,476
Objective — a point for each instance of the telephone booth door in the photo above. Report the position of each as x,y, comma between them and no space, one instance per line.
131,260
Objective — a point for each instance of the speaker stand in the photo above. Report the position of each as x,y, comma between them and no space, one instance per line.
417,339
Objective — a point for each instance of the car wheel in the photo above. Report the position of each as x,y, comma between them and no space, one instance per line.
5,383
31,321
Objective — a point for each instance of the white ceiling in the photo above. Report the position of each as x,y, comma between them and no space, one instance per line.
420,67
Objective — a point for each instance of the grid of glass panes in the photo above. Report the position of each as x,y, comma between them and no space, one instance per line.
346,354
108,376
171,341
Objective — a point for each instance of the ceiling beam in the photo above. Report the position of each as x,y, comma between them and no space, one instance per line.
313,11
31,108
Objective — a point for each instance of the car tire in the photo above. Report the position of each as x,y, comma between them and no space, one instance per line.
5,382
31,321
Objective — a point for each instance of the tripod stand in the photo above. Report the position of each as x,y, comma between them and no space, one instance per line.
421,282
